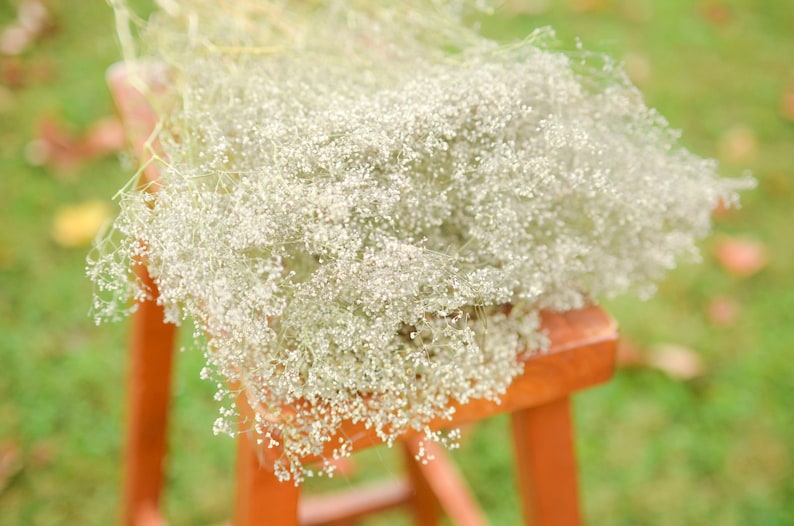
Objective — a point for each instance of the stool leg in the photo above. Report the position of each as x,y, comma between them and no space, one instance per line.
260,499
546,463
440,487
424,503
151,358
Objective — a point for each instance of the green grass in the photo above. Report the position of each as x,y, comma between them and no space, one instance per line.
718,451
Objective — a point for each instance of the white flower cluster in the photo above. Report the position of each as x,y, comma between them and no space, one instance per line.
363,220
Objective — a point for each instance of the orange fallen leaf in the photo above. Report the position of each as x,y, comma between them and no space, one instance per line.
77,225
738,144
11,72
103,137
10,463
741,257
587,6
31,23
677,361
14,40
64,151
723,311
33,16
637,67
716,12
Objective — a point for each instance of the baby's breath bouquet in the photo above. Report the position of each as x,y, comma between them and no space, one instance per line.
362,208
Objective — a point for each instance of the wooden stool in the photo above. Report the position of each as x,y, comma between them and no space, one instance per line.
582,354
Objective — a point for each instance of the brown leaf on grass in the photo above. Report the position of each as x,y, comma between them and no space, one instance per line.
716,12
723,311
15,39
33,21
17,74
12,73
77,225
741,257
587,6
10,463
678,361
104,136
33,16
63,151
739,145
637,67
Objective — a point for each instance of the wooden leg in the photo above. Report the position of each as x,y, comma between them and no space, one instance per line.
424,504
546,463
151,357
439,486
260,499
346,508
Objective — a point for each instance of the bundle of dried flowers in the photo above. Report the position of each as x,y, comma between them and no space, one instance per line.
352,194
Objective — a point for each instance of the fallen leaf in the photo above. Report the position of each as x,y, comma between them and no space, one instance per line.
738,144
77,225
32,22
741,257
11,72
63,151
103,137
40,70
716,12
14,39
723,311
10,463
37,152
677,361
587,6
637,67
33,16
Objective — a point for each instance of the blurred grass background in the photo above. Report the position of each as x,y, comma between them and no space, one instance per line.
716,449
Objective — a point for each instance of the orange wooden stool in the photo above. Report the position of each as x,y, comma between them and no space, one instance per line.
582,354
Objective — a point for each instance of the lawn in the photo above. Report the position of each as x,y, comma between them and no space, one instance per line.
715,449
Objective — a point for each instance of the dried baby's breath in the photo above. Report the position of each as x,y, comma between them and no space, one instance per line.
353,194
